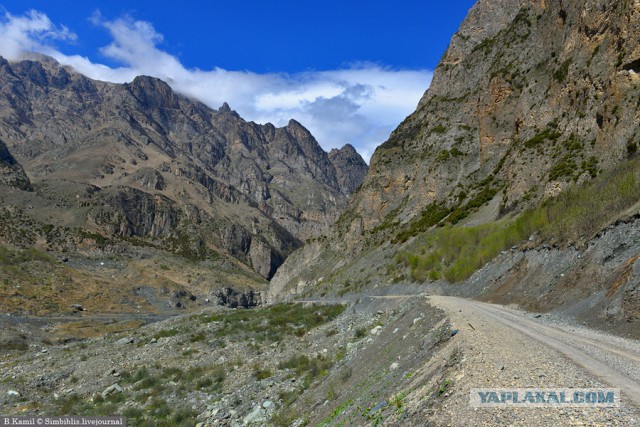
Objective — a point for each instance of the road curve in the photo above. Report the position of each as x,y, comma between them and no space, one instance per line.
611,360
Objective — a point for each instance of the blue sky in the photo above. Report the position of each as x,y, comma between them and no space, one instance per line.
350,71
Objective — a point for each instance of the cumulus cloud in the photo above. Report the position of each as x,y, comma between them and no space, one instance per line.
360,104
31,32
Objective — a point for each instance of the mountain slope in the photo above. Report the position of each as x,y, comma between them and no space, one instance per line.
524,103
118,167
530,99
11,172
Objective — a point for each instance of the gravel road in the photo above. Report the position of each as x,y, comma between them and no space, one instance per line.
507,348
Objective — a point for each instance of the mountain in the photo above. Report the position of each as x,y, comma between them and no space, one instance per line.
515,182
116,166
534,106
351,169
521,106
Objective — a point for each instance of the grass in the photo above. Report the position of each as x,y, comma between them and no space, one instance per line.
208,377
272,323
10,257
261,373
310,368
147,407
339,410
166,333
438,213
455,252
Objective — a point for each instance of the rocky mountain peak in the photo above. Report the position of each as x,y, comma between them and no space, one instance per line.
297,129
351,168
153,93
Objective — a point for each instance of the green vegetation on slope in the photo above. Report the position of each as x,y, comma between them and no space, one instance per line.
17,257
274,322
437,212
456,252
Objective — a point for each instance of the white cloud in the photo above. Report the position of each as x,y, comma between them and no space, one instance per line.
360,104
28,33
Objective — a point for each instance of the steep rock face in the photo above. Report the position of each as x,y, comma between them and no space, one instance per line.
11,173
529,98
351,168
166,168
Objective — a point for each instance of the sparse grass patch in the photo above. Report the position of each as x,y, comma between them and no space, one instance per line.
274,322
166,333
360,333
444,386
310,368
563,71
261,373
284,417
210,377
150,407
197,337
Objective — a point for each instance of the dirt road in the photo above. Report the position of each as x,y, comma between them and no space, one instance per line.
508,348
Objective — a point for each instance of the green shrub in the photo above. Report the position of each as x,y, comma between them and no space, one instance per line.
261,373
440,129
360,333
565,168
549,134
563,71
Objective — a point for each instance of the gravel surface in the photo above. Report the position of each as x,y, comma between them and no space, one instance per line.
506,348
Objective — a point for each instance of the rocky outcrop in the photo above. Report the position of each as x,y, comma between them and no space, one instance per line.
129,212
263,259
233,299
350,168
11,173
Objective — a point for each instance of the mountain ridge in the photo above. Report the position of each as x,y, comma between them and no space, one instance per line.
137,165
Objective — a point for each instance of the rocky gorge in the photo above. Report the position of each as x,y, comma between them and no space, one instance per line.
231,273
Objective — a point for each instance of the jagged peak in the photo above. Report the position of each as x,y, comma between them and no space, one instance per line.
295,124
149,81
348,152
153,92
348,148
227,110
